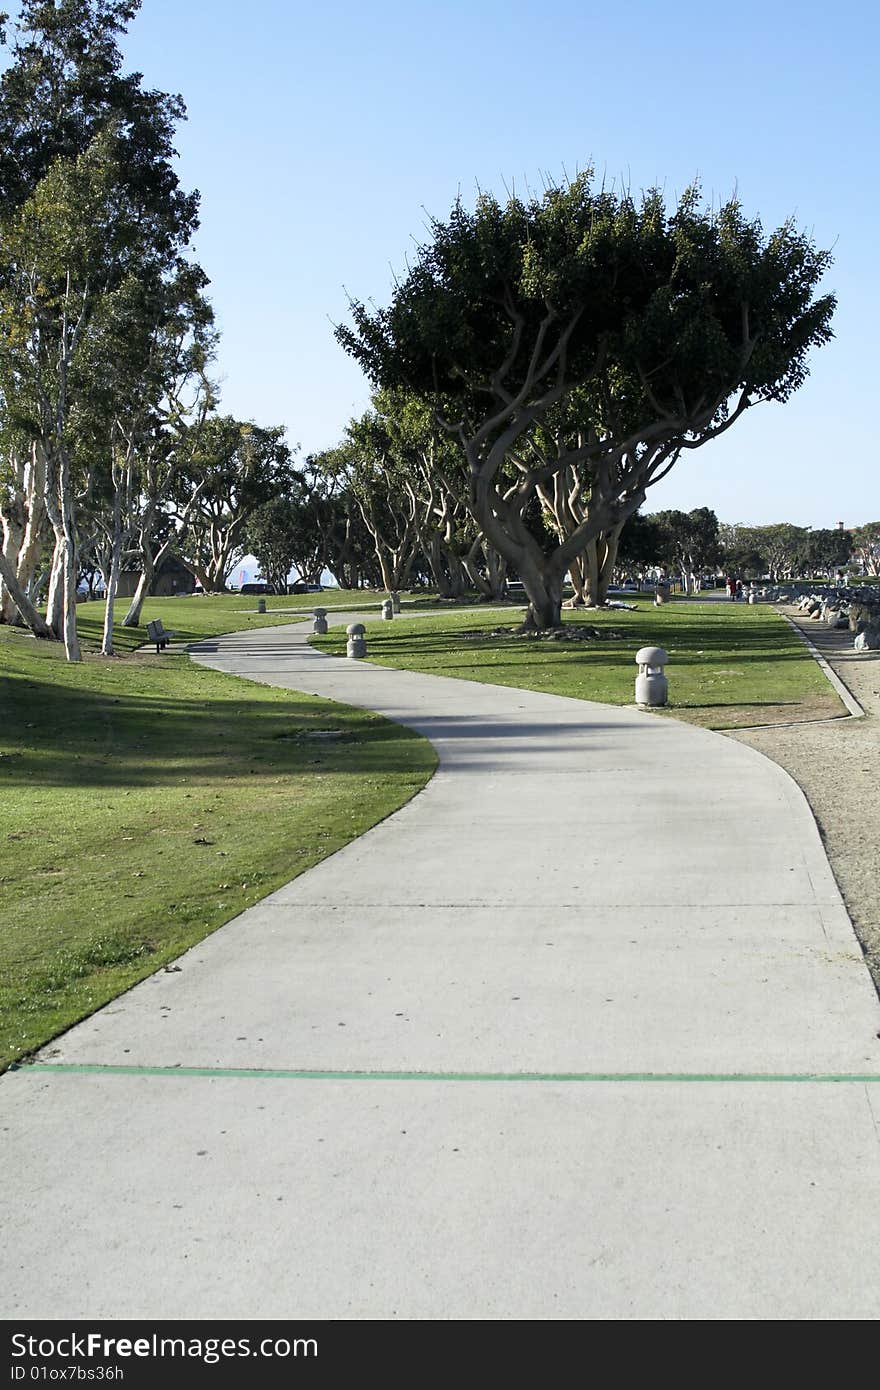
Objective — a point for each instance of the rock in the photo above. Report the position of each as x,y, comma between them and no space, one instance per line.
868,640
863,614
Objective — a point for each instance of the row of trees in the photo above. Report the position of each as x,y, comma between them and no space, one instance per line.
690,543
390,505
540,367
113,450
785,551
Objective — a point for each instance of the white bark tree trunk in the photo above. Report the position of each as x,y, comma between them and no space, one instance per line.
35,486
13,535
60,507
55,596
111,578
37,624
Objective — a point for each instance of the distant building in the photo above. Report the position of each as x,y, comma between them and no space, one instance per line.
171,577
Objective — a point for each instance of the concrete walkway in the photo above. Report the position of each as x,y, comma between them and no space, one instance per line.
572,958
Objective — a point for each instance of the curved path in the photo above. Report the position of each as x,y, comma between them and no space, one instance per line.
596,963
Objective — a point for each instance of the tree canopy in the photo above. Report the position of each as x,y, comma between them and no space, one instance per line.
627,333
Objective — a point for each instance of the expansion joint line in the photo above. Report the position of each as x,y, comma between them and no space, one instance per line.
308,1074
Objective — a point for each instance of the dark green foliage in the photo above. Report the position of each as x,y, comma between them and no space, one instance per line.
625,332
667,313
641,543
64,87
827,549
688,541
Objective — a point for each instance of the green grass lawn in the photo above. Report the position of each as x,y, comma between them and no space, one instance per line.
145,800
211,614
730,665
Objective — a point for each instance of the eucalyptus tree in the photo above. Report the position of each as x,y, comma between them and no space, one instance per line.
668,325
53,274
23,520
161,418
64,86
233,468
90,208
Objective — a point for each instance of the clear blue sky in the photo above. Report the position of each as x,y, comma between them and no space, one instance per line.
318,133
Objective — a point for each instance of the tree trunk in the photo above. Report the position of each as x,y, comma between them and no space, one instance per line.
479,581
541,580
580,582
133,616
111,579
71,637
29,554
434,556
55,597
457,582
59,505
607,550
13,536
591,573
14,513
385,566
150,563
37,624
544,593
496,570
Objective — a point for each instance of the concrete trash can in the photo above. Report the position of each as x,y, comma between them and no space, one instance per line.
357,642
652,687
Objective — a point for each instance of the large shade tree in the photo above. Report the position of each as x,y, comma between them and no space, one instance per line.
91,216
657,329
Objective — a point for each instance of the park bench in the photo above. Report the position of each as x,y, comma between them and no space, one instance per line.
157,633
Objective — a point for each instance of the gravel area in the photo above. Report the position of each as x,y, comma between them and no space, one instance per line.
836,763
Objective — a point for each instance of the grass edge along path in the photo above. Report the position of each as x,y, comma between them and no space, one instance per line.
730,666
194,618
147,800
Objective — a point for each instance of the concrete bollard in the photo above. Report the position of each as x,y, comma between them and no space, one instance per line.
357,642
661,594
387,607
261,605
320,623
395,600
652,687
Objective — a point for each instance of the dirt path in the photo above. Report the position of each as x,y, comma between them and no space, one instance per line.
837,765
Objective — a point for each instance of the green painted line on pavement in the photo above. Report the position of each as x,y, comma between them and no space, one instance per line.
282,1074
